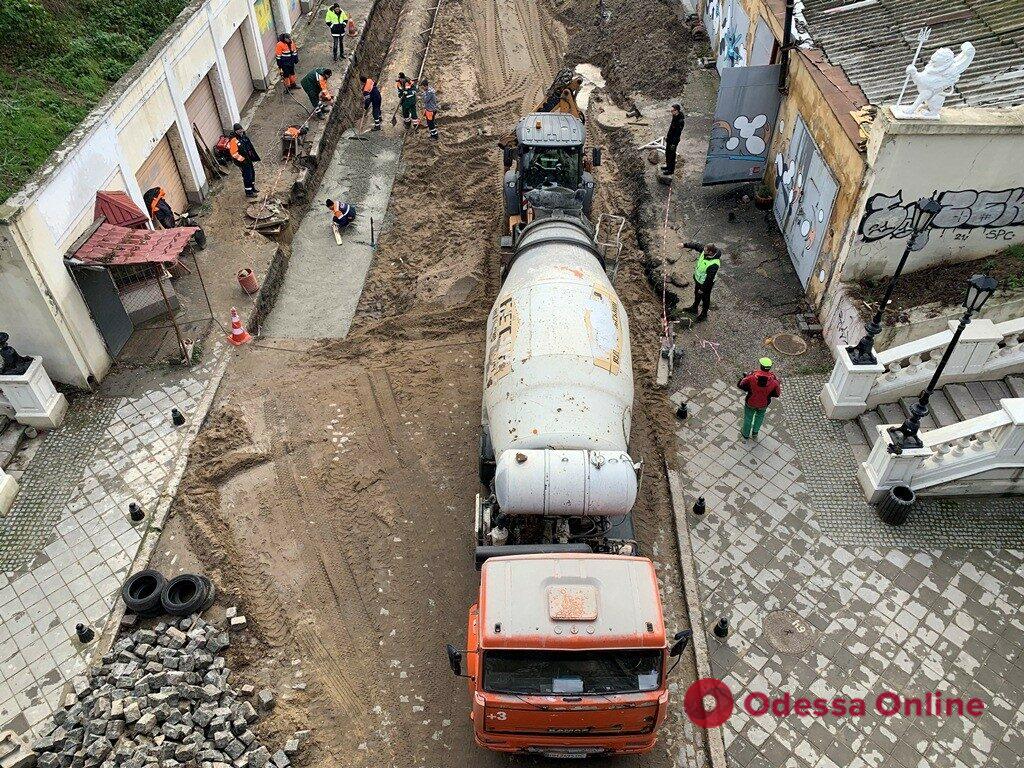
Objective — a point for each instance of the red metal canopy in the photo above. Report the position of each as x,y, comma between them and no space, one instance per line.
110,245
117,208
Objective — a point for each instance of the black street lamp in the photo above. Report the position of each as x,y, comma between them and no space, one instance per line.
925,211
979,288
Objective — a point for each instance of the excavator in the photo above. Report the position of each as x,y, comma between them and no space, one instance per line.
545,163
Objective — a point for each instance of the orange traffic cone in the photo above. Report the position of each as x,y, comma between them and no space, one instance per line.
239,335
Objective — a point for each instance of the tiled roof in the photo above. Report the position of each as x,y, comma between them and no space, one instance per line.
119,209
874,41
111,244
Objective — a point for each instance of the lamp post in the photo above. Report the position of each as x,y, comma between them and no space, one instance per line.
925,211
979,289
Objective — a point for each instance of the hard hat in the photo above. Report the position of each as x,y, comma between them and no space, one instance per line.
765,362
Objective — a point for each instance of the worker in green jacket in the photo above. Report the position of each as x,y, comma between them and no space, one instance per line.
406,88
337,21
318,89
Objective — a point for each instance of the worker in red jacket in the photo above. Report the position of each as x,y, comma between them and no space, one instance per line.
761,386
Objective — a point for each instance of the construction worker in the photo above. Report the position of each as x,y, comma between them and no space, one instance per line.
244,154
337,21
371,98
675,133
318,89
342,214
761,386
429,106
406,88
287,56
159,209
709,258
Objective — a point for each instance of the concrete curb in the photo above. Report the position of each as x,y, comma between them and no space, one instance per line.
716,744
163,507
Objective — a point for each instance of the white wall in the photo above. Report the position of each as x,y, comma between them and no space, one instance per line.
974,158
40,306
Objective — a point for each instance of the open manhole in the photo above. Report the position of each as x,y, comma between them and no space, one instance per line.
789,344
787,633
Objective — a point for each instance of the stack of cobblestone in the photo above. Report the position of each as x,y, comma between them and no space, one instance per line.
161,699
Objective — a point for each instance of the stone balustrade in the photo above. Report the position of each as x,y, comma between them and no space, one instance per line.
986,351
983,455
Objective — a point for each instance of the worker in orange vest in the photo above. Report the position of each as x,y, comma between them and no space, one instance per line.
371,98
244,154
159,208
287,56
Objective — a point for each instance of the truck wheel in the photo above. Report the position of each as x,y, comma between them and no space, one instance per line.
487,463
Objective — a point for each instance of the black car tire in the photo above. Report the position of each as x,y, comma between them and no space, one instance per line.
184,595
141,592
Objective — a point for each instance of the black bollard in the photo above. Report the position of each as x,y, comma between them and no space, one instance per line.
699,507
85,633
681,411
177,419
135,512
722,627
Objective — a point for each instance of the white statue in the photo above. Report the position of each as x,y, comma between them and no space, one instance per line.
935,82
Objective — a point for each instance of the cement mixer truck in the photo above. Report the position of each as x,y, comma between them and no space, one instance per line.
567,650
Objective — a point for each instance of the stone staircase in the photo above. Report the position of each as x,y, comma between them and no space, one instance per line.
949,405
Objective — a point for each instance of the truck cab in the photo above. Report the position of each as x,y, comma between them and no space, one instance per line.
567,655
545,166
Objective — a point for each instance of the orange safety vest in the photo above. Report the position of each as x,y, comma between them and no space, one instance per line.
368,85
155,202
284,49
325,89
233,149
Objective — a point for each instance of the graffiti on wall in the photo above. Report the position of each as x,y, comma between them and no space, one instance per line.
888,216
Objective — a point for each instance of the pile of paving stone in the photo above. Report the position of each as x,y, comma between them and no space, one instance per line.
161,699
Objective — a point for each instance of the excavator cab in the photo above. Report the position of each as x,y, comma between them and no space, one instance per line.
545,167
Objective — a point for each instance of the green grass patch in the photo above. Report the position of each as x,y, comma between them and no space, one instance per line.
56,62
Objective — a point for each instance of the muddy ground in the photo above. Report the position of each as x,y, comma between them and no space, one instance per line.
330,493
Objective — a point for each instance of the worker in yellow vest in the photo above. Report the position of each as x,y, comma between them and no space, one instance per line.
709,258
337,21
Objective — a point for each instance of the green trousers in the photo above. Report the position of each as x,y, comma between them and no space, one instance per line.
753,418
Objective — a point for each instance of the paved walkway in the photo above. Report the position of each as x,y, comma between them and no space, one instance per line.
67,543
791,554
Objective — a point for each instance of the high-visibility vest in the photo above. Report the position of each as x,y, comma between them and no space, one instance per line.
155,202
284,51
234,151
336,18
369,85
700,269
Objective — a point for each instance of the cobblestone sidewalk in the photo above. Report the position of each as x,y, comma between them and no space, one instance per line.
67,543
796,560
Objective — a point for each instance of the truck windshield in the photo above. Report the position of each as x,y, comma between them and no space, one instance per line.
572,672
552,165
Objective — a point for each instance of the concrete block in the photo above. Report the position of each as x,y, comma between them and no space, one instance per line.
14,752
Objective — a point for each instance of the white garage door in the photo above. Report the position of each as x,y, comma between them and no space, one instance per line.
238,68
160,170
202,112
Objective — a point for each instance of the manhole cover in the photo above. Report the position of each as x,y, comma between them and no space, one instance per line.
789,344
787,633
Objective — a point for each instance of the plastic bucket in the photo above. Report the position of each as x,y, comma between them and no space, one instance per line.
247,279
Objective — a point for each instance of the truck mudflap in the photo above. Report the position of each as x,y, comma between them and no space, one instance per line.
484,553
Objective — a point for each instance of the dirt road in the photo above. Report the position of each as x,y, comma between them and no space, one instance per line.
330,493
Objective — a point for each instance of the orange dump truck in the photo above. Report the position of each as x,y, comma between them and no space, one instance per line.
567,655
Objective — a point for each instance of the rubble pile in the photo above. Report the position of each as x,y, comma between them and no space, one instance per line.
161,699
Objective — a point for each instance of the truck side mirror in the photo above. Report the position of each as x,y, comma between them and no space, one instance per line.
454,660
679,642
595,156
